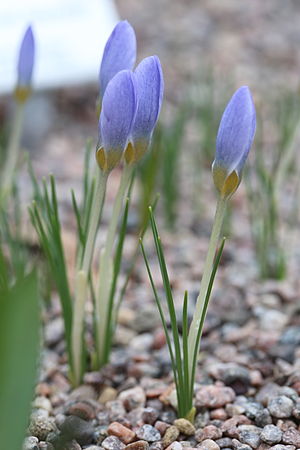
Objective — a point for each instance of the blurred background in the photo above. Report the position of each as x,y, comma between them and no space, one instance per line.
254,43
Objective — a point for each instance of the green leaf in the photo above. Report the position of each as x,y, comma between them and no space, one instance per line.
19,344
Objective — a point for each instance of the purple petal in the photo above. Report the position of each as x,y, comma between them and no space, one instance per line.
150,87
118,112
26,58
236,131
119,53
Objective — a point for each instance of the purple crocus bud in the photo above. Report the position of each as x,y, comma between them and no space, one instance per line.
150,88
119,107
234,140
119,53
25,65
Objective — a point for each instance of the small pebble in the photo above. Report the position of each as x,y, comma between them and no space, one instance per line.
239,445
271,434
133,398
112,443
185,427
137,445
150,415
115,410
83,392
148,433
41,426
81,409
224,442
208,444
263,418
208,432
158,445
218,414
291,436
123,433
93,447
214,396
80,430
280,406
30,443
108,394
72,445
161,426
283,447
170,435
42,403
232,409
45,446
174,446
201,419
250,435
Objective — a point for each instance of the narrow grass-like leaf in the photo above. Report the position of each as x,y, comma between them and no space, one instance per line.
19,343
161,313
204,310
183,394
111,319
185,345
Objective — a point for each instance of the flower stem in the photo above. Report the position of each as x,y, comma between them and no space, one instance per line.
13,149
213,244
106,268
81,284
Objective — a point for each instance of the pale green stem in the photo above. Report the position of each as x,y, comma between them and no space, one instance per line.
286,160
13,149
98,200
213,245
81,285
106,264
77,324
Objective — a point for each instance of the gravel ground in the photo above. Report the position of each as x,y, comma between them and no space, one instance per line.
248,379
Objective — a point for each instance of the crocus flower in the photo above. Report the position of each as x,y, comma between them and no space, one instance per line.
118,111
119,53
234,140
25,65
150,87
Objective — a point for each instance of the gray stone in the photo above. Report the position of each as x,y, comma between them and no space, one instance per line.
280,406
112,443
251,407
263,418
283,447
72,445
41,426
148,433
271,434
201,419
168,416
115,410
30,443
133,398
291,336
250,435
224,442
80,430
239,445
208,444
